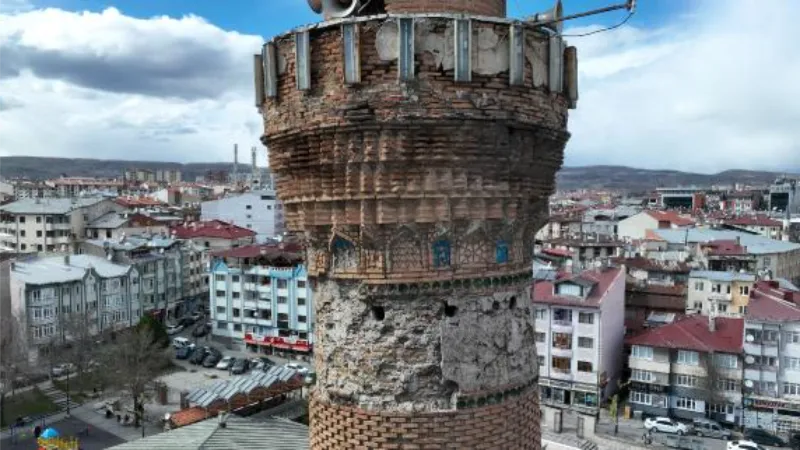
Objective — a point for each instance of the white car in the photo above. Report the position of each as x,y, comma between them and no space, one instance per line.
665,425
174,329
297,367
63,369
225,363
744,445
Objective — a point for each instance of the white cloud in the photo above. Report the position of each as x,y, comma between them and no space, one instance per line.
106,85
709,91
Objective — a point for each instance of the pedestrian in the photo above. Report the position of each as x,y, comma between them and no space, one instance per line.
37,430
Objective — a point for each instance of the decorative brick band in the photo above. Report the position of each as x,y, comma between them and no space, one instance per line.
510,425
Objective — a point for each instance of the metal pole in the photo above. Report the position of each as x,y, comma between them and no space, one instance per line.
68,393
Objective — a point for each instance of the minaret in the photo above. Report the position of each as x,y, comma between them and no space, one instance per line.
415,149
235,164
255,177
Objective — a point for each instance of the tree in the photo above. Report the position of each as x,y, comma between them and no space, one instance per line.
157,328
13,359
714,384
131,363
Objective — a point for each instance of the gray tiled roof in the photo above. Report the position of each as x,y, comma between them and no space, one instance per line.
756,245
53,269
722,276
48,205
109,220
238,433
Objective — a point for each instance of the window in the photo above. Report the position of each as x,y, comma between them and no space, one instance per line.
301,284
249,225
441,253
282,299
769,361
698,306
791,389
728,385
744,290
564,316
236,294
721,408
585,342
698,286
235,278
248,207
282,284
540,358
39,247
220,310
791,363
792,337
237,327
540,337
219,277
562,341
561,364
726,361
587,318
301,319
236,312
716,288
584,366
540,314
769,336
38,233
641,375
641,398
688,358
641,352
222,325
301,301
722,307
685,403
22,233
38,219
686,380
21,219
501,252
220,293
249,216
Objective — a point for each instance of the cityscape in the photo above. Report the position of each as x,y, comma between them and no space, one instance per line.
405,243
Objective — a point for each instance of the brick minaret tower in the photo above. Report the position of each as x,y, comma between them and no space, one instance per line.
415,144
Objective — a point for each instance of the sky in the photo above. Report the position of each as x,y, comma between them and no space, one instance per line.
695,85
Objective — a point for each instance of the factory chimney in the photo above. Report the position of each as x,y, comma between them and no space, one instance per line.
235,163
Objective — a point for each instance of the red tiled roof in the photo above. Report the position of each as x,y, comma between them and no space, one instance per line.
671,217
211,229
651,235
602,279
648,264
137,201
692,333
770,302
188,416
557,252
725,247
754,221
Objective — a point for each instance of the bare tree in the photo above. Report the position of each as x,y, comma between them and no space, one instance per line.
714,384
80,339
14,365
132,362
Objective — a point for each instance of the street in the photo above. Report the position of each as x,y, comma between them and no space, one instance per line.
97,439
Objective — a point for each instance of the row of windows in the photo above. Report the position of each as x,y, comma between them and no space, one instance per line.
264,281
717,288
687,357
561,364
564,315
564,340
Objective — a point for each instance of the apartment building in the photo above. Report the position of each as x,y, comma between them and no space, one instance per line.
579,331
34,189
637,226
719,293
52,224
47,291
583,252
67,187
116,224
772,358
690,368
261,299
159,264
214,235
257,210
761,224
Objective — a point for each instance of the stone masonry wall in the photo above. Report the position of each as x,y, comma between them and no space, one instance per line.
496,8
511,424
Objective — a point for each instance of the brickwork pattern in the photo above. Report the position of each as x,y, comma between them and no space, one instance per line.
495,8
511,425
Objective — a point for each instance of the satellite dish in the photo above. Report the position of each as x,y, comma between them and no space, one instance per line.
749,360
750,338
109,257
748,383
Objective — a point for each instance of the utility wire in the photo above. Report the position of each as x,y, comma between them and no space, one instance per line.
602,30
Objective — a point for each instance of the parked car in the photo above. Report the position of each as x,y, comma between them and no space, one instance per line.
297,367
196,316
180,342
174,329
240,366
212,359
199,355
710,428
200,330
186,322
744,445
665,425
184,352
794,441
63,369
226,362
763,437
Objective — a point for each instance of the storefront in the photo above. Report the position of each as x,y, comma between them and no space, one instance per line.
275,345
776,415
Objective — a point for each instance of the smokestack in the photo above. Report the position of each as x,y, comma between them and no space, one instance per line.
235,163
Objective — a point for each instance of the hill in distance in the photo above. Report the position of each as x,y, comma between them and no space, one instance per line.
586,177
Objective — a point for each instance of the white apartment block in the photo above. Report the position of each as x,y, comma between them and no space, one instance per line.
50,224
259,305
258,210
718,293
579,334
772,358
45,292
